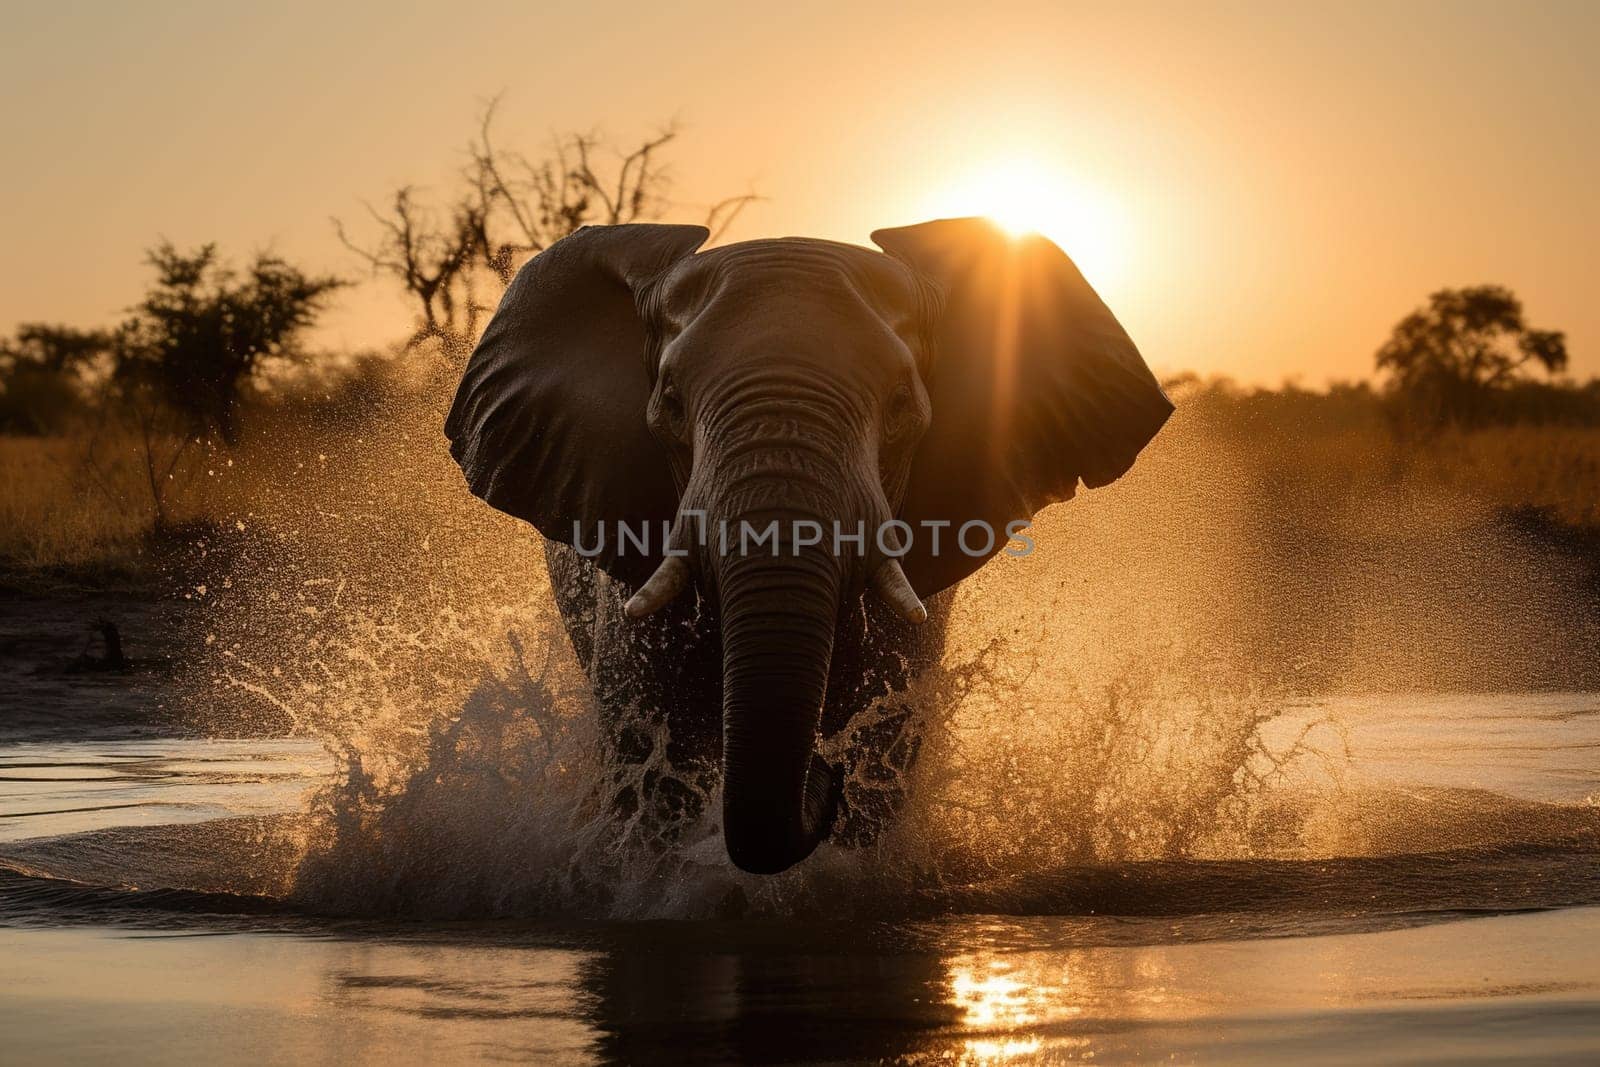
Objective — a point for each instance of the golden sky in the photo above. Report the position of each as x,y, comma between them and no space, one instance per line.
1257,190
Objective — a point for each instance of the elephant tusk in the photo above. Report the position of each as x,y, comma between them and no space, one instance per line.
891,584
667,582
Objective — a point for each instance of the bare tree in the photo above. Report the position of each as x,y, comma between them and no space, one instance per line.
165,441
431,258
510,206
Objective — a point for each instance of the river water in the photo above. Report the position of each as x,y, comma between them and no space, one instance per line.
1441,904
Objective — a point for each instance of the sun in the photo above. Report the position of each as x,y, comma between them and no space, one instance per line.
1025,196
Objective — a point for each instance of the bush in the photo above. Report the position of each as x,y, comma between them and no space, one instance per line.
37,400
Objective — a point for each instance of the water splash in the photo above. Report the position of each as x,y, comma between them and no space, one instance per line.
1109,700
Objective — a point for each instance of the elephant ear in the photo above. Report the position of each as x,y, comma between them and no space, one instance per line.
1034,386
548,423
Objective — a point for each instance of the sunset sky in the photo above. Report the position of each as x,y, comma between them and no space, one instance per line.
1256,192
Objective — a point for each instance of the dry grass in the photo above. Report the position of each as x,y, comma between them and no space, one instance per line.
1552,467
58,510
53,512
85,504
1556,468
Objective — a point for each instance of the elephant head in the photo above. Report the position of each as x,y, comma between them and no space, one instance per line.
963,376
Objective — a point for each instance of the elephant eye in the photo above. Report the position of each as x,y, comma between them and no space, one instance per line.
672,408
901,412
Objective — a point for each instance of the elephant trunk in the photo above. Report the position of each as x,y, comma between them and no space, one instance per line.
779,797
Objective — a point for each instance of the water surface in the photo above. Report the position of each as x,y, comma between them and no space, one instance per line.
1448,911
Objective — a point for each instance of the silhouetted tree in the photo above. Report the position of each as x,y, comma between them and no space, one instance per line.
43,374
454,262
56,348
203,330
180,363
1448,361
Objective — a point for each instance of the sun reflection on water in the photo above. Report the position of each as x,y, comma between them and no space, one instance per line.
980,1052
1000,1004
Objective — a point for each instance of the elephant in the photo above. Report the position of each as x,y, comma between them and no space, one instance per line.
954,381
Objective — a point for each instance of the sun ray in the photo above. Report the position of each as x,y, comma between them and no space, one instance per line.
1023,196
